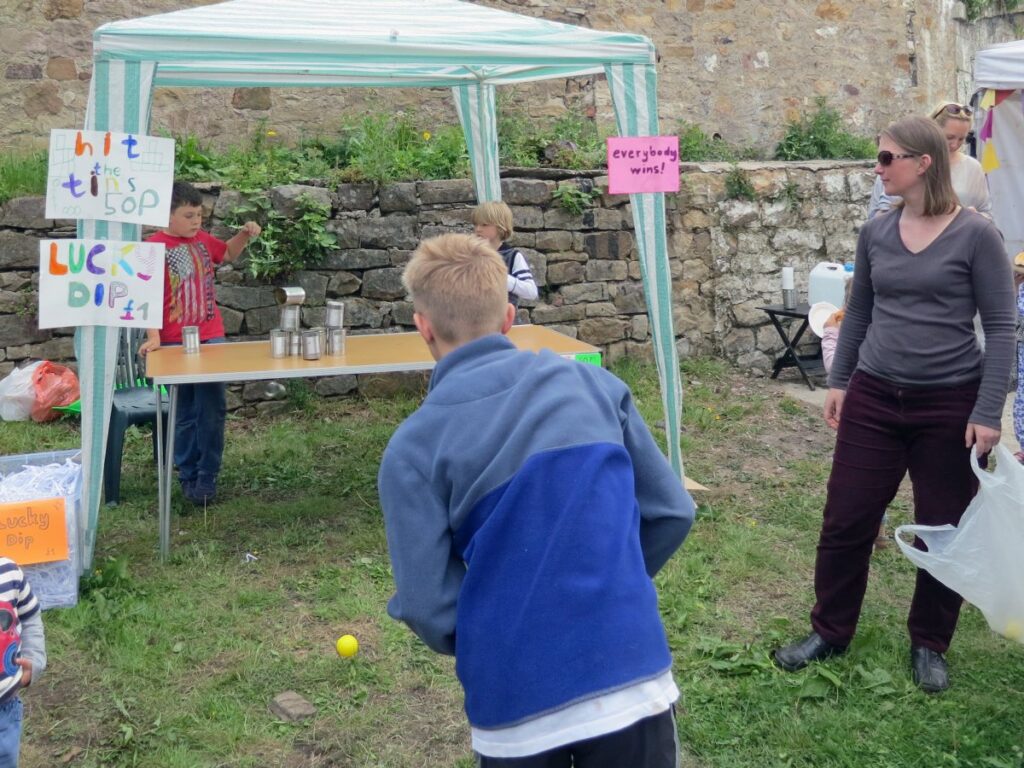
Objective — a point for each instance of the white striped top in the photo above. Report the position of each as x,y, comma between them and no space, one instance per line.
16,592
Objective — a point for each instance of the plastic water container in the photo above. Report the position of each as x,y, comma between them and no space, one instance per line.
828,283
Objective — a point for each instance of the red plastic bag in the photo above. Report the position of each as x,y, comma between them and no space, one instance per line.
54,385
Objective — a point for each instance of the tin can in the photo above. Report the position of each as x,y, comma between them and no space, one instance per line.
190,339
335,314
290,317
335,341
311,345
288,296
323,336
279,342
294,343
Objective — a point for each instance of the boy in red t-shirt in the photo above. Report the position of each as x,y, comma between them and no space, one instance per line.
190,299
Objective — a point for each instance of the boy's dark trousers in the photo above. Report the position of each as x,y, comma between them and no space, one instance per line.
885,431
649,743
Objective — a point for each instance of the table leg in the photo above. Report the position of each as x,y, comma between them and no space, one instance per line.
165,500
160,480
790,358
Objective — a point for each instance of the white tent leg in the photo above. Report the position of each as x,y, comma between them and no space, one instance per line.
119,100
475,104
635,98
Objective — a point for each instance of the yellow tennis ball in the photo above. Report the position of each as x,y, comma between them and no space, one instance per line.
347,646
1015,630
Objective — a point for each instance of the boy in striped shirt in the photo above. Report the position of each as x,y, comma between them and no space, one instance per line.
23,652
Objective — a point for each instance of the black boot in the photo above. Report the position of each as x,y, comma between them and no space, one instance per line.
812,648
929,669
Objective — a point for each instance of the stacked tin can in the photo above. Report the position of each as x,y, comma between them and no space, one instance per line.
285,340
335,322
190,339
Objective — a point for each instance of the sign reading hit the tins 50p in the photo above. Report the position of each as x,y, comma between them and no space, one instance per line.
100,282
110,176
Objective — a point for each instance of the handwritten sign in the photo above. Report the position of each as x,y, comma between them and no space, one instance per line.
33,531
100,282
110,176
643,164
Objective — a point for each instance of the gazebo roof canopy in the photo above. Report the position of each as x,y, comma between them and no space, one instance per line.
361,42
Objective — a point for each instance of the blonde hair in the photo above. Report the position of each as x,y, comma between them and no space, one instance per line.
459,283
921,136
941,115
496,213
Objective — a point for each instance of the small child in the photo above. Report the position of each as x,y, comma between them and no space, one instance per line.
190,299
527,509
493,222
23,649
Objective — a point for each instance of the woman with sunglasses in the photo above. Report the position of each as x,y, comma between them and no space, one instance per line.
969,183
910,390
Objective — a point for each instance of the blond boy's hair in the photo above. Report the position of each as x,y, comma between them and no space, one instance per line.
460,283
497,213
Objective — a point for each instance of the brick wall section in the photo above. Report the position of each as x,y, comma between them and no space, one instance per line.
726,256
736,67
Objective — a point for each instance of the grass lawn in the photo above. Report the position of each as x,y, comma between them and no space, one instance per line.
173,665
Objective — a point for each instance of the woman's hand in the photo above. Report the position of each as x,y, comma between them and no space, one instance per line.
834,406
985,438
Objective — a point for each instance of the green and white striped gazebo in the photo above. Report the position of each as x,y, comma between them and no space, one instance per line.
408,43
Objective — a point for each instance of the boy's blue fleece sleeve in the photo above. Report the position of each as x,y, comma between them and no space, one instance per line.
428,573
666,509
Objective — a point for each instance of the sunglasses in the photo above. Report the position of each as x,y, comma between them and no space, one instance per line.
956,110
885,157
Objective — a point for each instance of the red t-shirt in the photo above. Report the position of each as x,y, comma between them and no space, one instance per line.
189,297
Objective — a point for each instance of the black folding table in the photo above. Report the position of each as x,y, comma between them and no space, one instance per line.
808,365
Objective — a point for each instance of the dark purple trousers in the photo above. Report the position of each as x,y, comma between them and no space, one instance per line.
885,431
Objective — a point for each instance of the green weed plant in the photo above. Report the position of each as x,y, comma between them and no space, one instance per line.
574,198
22,174
821,135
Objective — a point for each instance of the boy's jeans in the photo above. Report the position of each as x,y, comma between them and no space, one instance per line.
199,429
10,732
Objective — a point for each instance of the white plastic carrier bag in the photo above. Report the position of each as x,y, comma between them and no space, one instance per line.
982,558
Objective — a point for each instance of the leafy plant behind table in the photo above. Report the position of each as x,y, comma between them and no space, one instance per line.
695,146
821,136
287,243
574,198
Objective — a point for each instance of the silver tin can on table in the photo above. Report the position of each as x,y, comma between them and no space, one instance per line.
190,339
311,345
335,314
279,341
294,343
290,317
335,341
286,296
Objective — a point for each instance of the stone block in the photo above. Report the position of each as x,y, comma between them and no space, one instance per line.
63,9
330,386
260,320
383,284
287,199
566,330
600,269
397,230
15,329
738,213
600,309
796,240
399,258
603,330
345,231
538,265
458,219
243,297
628,298
342,283
558,218
832,186
567,256
25,213
546,314
607,218
554,241
42,98
264,390
256,99
232,320
701,188
227,201
314,284
526,191
57,349
608,245
695,218
583,292
639,327
354,197
527,218
398,197
401,313
860,183
61,68
522,239
362,313
356,258
446,191
22,71
562,272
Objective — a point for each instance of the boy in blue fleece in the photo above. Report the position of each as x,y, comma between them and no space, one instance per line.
527,508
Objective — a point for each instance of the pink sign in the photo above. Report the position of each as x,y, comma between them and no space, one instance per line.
643,164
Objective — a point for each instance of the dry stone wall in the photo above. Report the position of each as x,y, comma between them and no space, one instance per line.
726,256
740,68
